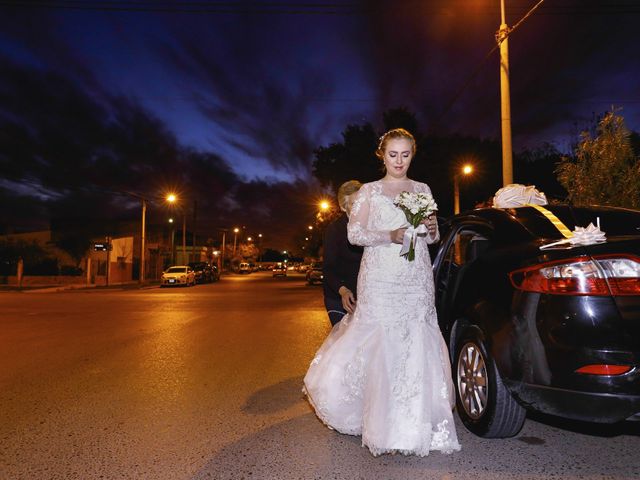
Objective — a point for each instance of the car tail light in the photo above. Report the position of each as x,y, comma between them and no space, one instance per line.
604,369
601,275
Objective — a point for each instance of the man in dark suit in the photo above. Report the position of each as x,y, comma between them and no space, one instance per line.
341,262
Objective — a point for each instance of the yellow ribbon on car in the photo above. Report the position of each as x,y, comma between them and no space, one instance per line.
562,228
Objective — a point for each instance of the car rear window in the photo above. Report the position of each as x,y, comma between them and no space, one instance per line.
613,222
177,270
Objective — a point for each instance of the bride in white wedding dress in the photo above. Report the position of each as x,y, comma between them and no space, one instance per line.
383,372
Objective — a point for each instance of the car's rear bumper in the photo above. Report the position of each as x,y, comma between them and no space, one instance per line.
577,405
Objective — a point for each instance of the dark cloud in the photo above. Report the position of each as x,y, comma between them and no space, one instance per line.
58,134
263,104
564,62
272,88
74,155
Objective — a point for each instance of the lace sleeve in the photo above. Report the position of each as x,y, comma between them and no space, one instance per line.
358,228
424,188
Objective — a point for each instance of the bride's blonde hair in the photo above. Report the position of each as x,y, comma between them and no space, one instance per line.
395,134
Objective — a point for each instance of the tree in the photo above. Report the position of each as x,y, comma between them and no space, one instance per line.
437,160
537,167
353,159
76,244
36,259
605,170
401,118
247,251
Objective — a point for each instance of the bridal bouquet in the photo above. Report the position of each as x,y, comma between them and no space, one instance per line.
416,207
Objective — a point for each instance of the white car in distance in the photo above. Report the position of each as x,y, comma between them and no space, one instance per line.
178,275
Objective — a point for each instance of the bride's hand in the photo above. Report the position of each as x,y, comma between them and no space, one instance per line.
432,224
397,236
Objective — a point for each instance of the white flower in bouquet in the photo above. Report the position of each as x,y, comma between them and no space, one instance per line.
416,207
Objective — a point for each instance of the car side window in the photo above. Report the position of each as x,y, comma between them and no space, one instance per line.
466,247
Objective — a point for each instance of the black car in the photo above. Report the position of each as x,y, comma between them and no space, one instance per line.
556,330
314,274
205,272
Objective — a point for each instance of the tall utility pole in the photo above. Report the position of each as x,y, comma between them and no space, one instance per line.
224,247
235,240
502,38
185,260
456,194
193,234
142,238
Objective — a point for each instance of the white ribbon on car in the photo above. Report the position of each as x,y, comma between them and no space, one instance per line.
410,236
588,235
516,195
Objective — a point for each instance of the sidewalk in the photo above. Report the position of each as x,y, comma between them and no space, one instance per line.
78,287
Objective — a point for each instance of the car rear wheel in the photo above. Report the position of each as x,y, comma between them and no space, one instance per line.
484,404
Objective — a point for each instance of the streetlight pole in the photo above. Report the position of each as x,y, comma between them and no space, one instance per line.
193,250
456,194
224,247
235,240
143,231
466,170
173,240
142,239
184,236
502,38
172,199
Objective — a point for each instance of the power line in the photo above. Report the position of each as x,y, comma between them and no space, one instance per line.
192,7
301,8
474,74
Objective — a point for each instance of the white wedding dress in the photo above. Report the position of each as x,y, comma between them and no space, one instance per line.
384,371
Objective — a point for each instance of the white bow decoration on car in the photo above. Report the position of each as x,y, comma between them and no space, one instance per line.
515,195
588,235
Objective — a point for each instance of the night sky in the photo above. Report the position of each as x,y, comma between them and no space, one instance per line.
226,101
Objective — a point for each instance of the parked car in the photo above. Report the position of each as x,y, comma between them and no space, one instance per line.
279,270
178,275
215,273
204,272
555,330
314,274
244,268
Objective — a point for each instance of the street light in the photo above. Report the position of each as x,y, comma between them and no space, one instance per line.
324,205
502,37
235,239
173,247
466,170
142,238
172,199
224,247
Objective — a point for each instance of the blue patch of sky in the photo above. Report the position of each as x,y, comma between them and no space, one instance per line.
17,52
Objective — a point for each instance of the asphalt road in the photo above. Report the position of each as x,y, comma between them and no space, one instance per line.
205,382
